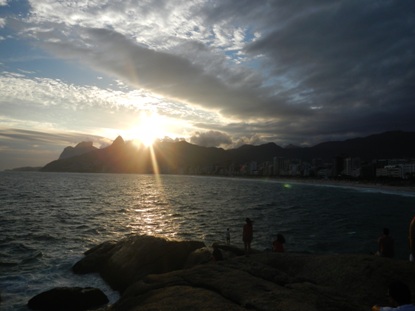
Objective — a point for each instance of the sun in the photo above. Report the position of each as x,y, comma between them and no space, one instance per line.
148,129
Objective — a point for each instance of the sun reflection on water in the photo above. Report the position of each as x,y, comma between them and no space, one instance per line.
152,214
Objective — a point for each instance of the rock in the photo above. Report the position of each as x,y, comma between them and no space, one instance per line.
271,281
188,279
95,258
198,256
123,263
235,284
68,298
230,251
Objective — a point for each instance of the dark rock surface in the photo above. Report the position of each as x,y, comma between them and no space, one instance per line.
129,260
156,274
271,281
68,298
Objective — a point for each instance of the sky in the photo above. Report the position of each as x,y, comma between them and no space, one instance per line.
217,73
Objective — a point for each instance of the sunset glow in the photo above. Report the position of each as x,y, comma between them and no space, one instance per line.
148,130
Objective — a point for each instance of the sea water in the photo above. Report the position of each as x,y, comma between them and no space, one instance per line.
47,220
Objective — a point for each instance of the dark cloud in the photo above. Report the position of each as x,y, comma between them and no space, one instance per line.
211,139
337,67
170,75
352,59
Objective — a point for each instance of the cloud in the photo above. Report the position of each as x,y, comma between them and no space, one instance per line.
52,138
169,75
210,139
291,72
34,148
54,104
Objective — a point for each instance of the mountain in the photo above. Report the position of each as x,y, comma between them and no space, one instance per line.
388,145
79,149
119,157
291,146
183,157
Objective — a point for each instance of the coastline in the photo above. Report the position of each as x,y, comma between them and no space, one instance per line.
373,186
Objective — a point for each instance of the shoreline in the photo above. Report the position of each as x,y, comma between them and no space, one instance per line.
382,187
387,187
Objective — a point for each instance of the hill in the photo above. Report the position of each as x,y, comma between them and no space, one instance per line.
81,148
183,157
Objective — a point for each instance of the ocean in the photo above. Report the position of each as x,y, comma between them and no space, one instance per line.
48,220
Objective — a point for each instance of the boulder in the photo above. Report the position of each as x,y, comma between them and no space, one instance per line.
68,298
129,260
95,258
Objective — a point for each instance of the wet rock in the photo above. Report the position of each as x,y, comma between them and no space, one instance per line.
95,258
68,298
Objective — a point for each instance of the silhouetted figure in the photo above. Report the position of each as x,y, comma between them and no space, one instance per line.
386,246
412,239
228,237
278,244
399,298
247,235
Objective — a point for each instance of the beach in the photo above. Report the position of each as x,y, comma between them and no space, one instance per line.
393,186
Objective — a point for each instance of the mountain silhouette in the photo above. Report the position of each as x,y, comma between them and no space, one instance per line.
182,157
81,148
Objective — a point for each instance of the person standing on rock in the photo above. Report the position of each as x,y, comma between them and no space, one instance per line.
385,244
412,240
247,235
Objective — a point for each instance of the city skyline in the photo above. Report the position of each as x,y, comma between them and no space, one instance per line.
214,73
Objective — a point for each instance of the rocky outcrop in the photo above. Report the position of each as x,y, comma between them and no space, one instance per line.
68,298
271,281
129,260
155,274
